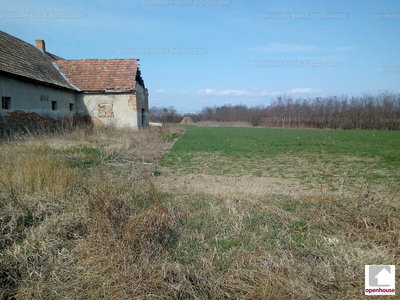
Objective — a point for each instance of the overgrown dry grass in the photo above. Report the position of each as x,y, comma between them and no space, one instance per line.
80,218
279,248
69,231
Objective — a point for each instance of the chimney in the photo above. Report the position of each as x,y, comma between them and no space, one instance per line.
41,45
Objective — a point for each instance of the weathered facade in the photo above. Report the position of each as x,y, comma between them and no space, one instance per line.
32,97
32,80
112,90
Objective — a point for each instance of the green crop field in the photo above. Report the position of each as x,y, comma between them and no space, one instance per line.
226,213
312,156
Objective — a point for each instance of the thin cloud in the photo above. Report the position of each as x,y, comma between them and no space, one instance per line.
303,91
346,48
222,92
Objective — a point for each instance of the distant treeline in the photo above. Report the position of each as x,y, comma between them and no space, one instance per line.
380,112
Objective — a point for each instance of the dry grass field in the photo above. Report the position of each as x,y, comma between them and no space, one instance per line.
113,214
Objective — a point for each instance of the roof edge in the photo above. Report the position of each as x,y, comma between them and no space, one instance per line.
108,91
65,77
32,80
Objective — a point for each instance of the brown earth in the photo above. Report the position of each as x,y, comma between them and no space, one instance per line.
233,185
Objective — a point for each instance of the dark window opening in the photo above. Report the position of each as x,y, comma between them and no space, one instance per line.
143,117
54,105
5,102
71,107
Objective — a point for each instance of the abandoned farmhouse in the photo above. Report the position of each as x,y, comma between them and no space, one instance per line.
34,81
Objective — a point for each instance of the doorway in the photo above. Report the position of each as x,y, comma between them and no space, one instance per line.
143,117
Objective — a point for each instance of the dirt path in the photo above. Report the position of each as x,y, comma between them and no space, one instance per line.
231,185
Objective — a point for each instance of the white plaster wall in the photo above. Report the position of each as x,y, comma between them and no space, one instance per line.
124,114
25,96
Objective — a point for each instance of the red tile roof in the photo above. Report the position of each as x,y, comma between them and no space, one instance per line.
98,75
24,60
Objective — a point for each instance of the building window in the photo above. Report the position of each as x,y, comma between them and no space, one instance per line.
44,98
5,102
71,107
54,105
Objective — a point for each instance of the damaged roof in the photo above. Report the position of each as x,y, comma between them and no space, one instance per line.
99,75
21,59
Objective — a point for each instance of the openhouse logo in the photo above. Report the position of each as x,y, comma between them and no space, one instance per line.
379,280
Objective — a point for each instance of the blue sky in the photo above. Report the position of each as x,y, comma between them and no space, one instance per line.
196,53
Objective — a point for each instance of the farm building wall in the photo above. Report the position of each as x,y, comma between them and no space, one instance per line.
119,109
142,102
47,101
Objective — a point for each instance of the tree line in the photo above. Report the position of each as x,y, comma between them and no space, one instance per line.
381,112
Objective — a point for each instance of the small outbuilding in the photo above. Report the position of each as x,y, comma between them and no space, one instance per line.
187,120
